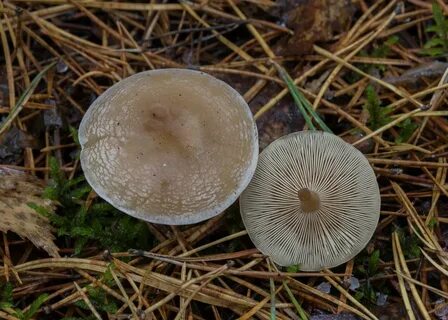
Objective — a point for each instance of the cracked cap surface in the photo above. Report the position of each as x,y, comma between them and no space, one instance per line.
170,146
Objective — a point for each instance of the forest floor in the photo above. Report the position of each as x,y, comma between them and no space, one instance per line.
375,72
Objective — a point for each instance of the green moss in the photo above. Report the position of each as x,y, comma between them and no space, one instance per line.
378,115
99,223
438,44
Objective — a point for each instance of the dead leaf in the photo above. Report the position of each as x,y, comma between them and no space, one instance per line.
314,21
17,190
413,77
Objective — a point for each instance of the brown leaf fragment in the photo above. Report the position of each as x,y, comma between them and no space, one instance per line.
314,21
17,191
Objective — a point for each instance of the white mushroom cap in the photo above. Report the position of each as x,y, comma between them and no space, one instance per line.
313,201
169,146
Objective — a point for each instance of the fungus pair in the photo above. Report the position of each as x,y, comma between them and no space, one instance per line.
178,146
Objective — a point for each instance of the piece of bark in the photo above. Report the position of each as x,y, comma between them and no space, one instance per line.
17,191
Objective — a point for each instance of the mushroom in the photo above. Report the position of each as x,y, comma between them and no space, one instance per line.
313,201
169,146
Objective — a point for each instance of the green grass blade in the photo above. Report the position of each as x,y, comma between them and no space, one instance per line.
301,102
293,90
273,315
296,303
313,113
23,99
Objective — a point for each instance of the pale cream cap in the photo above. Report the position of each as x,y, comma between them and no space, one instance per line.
169,146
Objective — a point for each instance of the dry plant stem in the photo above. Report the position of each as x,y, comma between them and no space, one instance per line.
336,70
88,302
439,181
348,270
426,235
9,69
389,86
213,243
223,39
297,284
409,163
375,20
355,31
256,88
185,285
404,293
388,126
253,30
438,292
302,77
181,312
350,118
98,283
107,48
435,264
350,297
123,292
6,316
248,315
348,37
434,103
424,313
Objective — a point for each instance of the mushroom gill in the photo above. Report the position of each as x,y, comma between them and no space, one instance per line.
313,201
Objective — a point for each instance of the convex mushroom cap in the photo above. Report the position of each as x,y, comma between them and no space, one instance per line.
169,146
313,201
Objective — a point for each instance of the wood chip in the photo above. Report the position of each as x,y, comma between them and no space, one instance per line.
17,191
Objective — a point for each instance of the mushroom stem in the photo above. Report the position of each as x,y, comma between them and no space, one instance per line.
309,200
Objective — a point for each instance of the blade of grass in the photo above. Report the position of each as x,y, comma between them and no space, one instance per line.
301,102
249,315
300,311
296,303
273,293
24,98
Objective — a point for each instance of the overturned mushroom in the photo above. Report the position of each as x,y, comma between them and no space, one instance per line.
313,201
169,146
